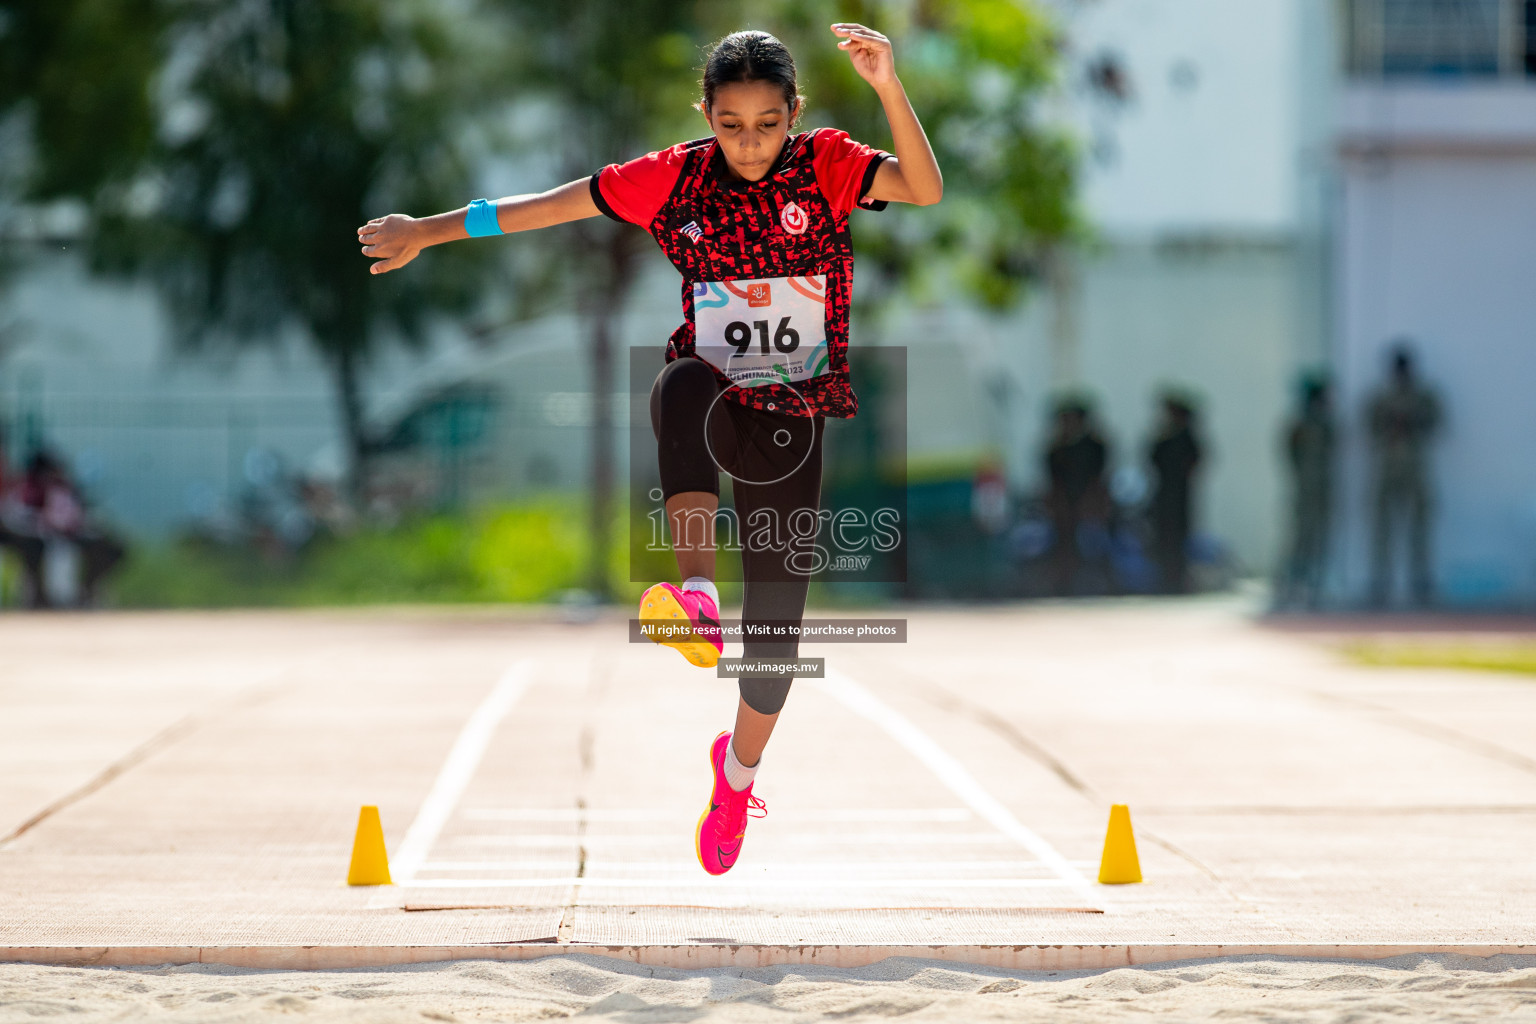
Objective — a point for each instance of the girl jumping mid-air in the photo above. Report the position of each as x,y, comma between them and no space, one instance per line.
756,221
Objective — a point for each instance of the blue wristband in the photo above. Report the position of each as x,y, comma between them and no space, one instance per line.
481,219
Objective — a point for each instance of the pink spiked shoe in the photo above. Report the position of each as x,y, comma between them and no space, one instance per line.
723,824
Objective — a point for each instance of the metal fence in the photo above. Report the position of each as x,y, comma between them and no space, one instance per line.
151,464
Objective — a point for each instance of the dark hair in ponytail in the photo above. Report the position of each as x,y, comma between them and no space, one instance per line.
750,56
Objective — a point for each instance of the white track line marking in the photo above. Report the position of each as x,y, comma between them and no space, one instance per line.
456,772
669,839
503,865
954,775
741,883
632,814
815,868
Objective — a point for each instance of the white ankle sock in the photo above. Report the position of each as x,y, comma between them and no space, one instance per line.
703,585
737,775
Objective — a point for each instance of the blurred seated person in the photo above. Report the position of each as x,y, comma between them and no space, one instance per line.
18,533
51,513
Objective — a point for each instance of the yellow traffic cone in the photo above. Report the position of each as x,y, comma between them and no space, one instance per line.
1119,864
370,864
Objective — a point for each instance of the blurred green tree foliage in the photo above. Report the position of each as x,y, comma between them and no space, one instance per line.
280,127
606,80
75,73
976,72
69,121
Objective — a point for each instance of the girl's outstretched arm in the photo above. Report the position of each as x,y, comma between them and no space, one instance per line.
913,176
396,239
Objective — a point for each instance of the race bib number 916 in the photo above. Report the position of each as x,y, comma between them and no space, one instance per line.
762,332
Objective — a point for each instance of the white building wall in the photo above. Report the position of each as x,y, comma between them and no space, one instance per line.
1436,237
1205,275
1208,138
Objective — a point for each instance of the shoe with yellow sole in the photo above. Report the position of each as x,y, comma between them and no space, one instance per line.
685,619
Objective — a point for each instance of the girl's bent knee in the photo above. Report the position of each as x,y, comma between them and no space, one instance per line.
688,375
765,696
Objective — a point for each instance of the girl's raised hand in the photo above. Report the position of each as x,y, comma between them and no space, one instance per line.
390,240
869,50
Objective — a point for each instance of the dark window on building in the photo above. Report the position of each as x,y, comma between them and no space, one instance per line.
1439,38
1528,37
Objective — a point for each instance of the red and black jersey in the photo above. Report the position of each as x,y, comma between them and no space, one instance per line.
792,222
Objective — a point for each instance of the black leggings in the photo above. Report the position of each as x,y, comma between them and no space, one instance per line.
774,461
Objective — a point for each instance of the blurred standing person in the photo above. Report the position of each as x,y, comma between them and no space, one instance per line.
1175,455
1403,416
1309,447
1075,463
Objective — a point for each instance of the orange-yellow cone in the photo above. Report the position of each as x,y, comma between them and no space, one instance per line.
1119,864
370,864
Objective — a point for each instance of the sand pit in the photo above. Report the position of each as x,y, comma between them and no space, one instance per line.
1421,988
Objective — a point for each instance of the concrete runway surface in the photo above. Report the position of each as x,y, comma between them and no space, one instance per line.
183,788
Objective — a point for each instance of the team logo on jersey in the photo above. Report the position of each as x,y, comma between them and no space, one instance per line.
759,295
794,219
694,232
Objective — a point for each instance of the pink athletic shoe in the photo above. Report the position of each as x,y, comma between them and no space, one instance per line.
695,615
718,838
